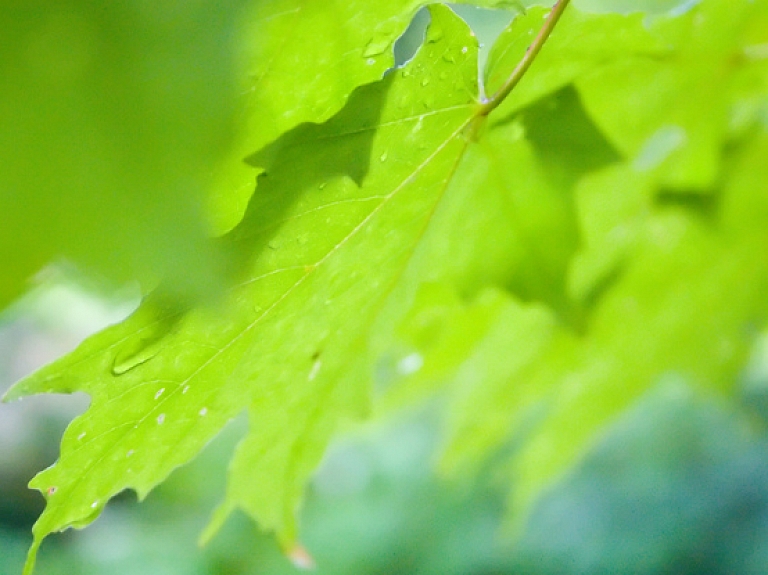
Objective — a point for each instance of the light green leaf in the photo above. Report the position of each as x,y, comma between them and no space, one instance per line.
648,7
682,105
337,213
302,60
113,116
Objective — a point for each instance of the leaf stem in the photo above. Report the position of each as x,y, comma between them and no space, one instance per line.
530,55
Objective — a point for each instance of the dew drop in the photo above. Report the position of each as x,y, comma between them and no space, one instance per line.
383,157
449,57
377,45
464,50
425,81
203,412
185,390
95,504
81,436
125,362
129,453
160,419
370,61
159,392
322,186
434,35
314,370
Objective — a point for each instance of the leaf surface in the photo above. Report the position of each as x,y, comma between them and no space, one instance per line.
302,60
338,211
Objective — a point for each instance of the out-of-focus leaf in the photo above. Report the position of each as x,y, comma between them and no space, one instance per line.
672,113
555,388
112,118
661,282
646,7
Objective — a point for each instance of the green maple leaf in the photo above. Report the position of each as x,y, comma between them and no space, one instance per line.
337,213
301,62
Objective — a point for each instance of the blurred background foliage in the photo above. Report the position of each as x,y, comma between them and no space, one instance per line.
677,484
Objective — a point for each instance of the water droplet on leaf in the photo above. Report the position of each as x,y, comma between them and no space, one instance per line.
133,356
315,370
434,35
377,45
